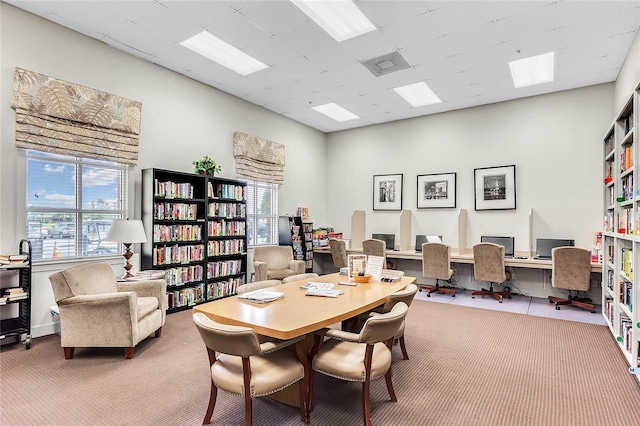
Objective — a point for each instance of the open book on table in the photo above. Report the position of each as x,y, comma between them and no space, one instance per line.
317,285
261,296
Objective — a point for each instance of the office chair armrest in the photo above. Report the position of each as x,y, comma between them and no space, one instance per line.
276,345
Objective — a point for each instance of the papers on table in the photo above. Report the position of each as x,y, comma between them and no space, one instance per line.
261,296
323,292
388,278
317,285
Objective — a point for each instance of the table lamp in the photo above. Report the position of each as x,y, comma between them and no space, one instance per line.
127,232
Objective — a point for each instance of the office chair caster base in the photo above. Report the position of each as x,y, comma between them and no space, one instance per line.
557,308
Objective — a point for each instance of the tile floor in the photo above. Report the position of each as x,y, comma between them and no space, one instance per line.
518,304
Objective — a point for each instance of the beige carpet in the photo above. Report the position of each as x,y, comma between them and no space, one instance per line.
468,366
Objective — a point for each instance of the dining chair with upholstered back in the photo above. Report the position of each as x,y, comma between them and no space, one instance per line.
241,365
359,357
436,264
488,265
571,270
257,285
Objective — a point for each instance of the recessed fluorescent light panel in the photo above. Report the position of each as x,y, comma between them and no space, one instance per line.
341,19
210,46
418,94
335,112
533,70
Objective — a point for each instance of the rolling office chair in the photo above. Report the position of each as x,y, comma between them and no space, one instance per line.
571,270
375,247
488,265
338,252
436,264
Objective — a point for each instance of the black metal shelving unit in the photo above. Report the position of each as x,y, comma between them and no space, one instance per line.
21,324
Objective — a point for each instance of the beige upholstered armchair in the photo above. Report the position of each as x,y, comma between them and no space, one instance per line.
275,263
97,311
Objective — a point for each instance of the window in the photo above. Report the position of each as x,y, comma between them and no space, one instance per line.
262,213
71,203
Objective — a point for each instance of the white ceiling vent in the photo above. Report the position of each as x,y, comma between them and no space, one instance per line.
386,64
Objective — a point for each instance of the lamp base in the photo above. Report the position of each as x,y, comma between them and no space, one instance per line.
127,265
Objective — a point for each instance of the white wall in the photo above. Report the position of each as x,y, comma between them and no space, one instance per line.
554,140
629,76
181,121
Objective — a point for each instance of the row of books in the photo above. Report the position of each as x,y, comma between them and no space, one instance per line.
175,233
168,255
14,293
627,123
609,307
626,158
626,294
610,280
627,221
184,275
219,289
227,210
226,227
609,144
186,296
626,332
225,247
228,191
170,189
224,268
175,211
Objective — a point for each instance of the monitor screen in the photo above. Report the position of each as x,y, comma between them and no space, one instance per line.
506,242
545,245
421,239
389,239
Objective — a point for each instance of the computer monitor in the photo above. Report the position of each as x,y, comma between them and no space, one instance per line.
507,242
389,239
421,239
545,245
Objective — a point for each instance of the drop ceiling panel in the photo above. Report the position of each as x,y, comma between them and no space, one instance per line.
460,49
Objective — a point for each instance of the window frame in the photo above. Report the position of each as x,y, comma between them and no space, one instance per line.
78,211
253,187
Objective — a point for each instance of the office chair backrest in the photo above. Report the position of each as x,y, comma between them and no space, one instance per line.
338,252
488,263
374,247
571,268
405,295
436,261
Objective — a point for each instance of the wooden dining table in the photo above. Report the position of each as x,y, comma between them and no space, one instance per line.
296,314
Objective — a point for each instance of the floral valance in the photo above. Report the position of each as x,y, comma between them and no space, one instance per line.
66,118
258,159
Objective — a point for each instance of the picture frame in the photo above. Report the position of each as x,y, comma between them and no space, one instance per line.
387,192
356,263
495,188
436,191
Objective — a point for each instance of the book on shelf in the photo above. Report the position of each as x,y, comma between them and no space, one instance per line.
14,291
261,296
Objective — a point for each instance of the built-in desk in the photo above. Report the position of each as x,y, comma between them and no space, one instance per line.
462,258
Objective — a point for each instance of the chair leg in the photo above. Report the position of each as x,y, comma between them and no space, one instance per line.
405,355
304,383
212,404
366,401
392,392
128,352
158,332
248,402
68,352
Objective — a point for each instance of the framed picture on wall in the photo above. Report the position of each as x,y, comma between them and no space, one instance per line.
495,188
387,192
436,191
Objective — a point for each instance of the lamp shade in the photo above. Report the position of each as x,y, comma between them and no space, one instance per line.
126,231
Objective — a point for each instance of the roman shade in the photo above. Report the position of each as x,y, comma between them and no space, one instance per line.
258,159
66,118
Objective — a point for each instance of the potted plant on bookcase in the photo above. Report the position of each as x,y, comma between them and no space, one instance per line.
206,166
